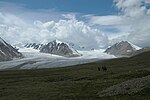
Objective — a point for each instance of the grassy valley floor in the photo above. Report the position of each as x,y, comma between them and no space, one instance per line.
80,82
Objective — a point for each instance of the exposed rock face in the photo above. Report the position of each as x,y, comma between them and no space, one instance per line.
7,52
122,48
34,46
59,48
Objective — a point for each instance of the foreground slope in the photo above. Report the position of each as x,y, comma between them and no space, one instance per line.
81,82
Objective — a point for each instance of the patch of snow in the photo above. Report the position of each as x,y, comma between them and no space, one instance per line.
129,51
28,50
135,47
57,41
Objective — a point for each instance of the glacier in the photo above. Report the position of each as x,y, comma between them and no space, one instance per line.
33,59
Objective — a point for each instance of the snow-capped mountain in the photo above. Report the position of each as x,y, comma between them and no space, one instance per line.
34,46
123,48
7,52
54,57
59,48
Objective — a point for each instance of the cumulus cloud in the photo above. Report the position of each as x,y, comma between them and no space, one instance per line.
132,22
135,14
21,25
17,29
113,26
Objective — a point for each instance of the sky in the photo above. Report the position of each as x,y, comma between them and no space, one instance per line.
99,7
90,23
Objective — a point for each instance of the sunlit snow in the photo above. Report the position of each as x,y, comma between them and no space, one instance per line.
34,59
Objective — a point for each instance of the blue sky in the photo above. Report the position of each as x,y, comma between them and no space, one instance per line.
97,7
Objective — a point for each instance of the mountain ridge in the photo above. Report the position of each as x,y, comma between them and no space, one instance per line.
55,47
7,52
122,49
59,48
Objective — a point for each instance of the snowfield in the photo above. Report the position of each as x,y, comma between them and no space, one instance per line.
34,59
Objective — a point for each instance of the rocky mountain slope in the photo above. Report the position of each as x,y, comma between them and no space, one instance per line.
34,46
7,52
59,48
123,49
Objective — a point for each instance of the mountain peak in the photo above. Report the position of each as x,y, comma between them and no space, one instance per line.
128,43
59,48
7,52
57,41
122,48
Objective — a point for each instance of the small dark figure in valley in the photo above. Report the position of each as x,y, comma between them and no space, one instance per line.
99,69
104,68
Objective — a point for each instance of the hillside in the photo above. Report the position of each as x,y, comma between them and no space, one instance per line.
80,82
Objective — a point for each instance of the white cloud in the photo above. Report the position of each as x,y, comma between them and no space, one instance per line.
10,19
105,20
70,16
136,14
74,31
18,24
16,28
132,22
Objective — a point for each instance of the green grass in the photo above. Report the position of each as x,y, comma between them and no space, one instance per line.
81,82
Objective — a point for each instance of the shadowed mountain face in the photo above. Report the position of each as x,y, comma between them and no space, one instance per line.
59,48
7,52
122,48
